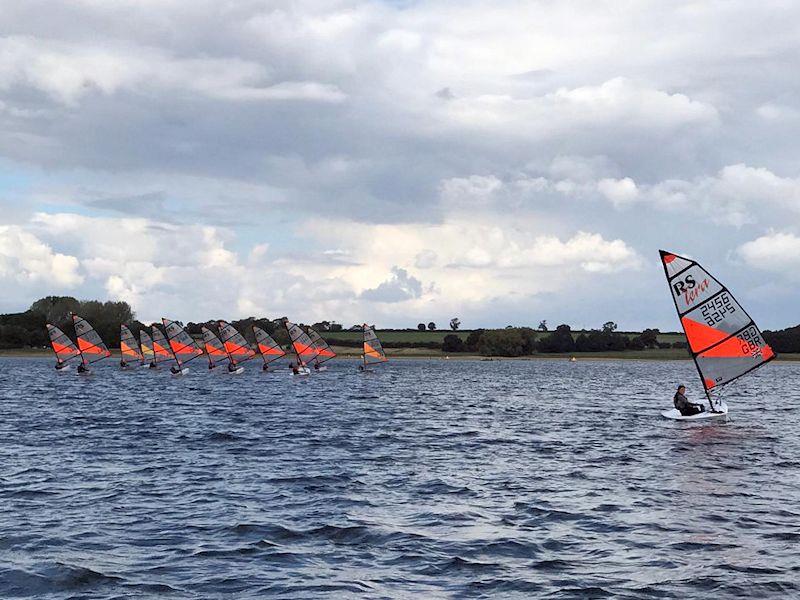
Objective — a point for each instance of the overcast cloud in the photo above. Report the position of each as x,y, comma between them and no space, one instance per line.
502,162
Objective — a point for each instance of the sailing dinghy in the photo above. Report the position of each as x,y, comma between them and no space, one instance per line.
182,345
90,345
236,346
63,347
146,347
270,349
128,348
724,341
373,349
324,351
161,351
303,348
215,351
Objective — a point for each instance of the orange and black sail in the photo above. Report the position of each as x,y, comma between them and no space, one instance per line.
724,341
235,345
128,346
161,351
146,345
302,344
91,347
62,345
214,348
270,349
324,351
373,349
181,343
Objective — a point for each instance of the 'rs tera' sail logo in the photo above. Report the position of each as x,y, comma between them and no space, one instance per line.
689,288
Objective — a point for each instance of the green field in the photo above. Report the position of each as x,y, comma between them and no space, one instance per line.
416,336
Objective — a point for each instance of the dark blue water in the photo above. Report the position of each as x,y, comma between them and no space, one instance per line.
426,479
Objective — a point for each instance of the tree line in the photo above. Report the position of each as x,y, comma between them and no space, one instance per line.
28,329
521,341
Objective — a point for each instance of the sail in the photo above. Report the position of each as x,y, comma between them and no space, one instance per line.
91,347
324,351
146,344
302,344
63,347
270,349
235,345
128,346
181,343
724,341
214,348
161,350
373,350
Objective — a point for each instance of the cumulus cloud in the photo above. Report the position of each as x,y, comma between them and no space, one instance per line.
400,286
775,251
619,103
25,260
293,155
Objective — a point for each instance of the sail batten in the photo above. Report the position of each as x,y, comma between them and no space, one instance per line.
723,339
270,349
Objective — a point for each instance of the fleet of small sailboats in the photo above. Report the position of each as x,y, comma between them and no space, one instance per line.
723,340
175,345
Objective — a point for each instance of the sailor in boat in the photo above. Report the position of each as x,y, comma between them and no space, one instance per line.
232,367
123,364
294,368
265,367
152,365
175,370
82,368
686,408
60,364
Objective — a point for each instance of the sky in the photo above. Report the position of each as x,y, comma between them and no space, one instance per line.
399,162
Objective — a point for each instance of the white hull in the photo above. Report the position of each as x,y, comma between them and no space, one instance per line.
183,371
321,369
675,415
237,371
303,371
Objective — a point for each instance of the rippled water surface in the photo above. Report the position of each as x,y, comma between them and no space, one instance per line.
424,479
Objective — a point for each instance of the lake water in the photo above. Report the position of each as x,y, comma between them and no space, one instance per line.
424,479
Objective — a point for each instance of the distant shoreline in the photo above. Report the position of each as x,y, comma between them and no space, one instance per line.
422,354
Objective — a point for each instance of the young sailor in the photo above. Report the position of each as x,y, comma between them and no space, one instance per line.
686,408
